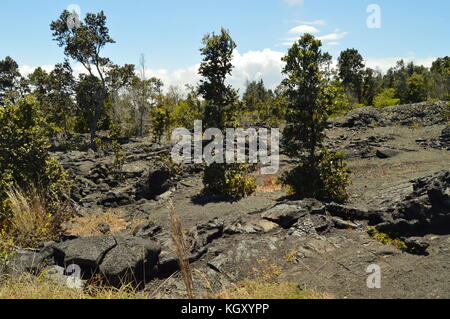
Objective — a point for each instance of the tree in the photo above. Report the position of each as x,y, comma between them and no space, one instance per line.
118,77
258,100
187,111
144,95
90,98
216,66
12,84
220,110
320,175
396,78
439,79
371,85
84,44
441,65
24,157
386,98
416,89
55,92
351,67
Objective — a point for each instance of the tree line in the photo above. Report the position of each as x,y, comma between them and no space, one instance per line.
121,99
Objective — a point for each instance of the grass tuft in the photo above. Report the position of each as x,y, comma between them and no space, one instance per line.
260,290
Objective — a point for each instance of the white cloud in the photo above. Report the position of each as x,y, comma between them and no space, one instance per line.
384,64
292,3
315,22
252,65
333,44
333,36
180,77
78,69
303,29
26,70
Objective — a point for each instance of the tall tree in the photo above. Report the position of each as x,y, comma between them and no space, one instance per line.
416,89
351,67
216,66
84,44
221,99
12,84
144,95
320,175
370,85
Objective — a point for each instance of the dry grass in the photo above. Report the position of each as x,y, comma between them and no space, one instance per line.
269,184
89,226
30,222
181,251
31,287
291,256
259,290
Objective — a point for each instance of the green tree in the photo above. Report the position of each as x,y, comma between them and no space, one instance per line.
371,85
145,94
416,89
84,44
259,100
320,174
439,79
221,101
386,98
116,117
351,67
441,65
24,157
55,93
216,66
90,100
187,110
12,85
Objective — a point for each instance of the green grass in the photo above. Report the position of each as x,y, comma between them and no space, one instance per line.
387,239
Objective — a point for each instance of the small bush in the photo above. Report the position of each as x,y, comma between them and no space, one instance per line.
160,121
31,223
386,98
24,157
325,179
173,168
387,239
446,113
119,156
231,180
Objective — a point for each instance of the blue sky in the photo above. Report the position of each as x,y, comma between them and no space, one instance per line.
169,32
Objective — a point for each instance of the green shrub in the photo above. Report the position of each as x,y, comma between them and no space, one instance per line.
326,179
31,222
386,98
160,121
119,156
341,104
24,158
173,168
446,113
231,180
388,239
